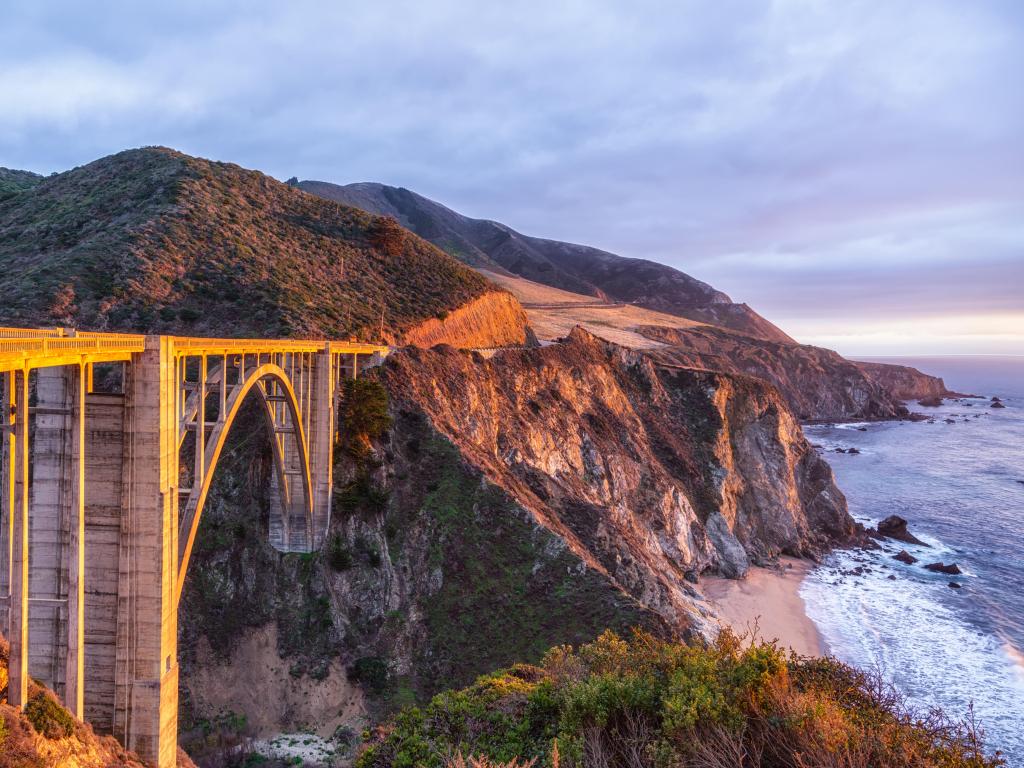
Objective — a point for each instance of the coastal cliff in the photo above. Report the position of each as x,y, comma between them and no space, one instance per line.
818,384
517,502
904,382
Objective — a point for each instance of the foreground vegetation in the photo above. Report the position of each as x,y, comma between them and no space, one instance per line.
645,702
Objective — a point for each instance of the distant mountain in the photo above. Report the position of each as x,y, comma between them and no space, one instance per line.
152,240
571,267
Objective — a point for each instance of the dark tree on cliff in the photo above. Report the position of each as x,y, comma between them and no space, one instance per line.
387,235
364,415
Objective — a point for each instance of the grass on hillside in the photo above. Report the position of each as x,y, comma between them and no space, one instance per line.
151,240
644,702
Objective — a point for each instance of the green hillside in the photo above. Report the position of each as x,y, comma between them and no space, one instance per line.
154,240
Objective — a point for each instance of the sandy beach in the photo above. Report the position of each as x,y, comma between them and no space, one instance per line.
770,598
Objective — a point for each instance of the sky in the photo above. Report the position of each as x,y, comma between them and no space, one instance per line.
852,170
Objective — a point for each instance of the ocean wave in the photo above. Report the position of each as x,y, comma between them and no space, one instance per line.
907,628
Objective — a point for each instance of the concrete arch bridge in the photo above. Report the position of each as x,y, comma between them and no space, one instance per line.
110,445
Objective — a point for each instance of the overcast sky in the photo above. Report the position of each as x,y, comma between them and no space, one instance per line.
853,170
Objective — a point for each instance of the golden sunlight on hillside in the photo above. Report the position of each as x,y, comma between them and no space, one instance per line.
553,313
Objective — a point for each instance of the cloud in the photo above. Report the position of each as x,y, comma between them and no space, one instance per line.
773,149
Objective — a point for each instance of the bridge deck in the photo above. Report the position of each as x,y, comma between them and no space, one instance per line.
22,348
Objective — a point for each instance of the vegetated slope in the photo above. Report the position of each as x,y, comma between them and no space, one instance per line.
151,240
646,702
577,268
46,735
513,503
12,181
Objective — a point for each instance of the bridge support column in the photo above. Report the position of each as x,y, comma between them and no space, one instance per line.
321,443
8,472
146,672
18,536
56,534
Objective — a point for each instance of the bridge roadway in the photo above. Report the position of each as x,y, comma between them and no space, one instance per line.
110,446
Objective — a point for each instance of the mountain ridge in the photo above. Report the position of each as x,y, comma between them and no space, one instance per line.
489,244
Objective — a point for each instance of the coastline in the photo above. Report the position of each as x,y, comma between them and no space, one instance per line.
769,598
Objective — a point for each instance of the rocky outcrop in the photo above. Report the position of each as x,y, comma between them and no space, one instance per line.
649,473
904,382
495,319
818,384
895,527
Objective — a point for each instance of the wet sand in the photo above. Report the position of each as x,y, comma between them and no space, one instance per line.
770,598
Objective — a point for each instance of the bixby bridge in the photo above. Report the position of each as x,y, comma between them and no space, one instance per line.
110,444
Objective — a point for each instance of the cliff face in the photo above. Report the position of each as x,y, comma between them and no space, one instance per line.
495,319
904,382
817,383
651,474
517,502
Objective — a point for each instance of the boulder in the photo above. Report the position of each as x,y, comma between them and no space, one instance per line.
954,585
895,527
854,450
952,569
930,402
905,557
997,404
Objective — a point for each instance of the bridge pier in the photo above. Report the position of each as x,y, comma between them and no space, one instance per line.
146,668
56,534
16,534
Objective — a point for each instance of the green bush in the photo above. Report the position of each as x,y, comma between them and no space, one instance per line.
48,717
371,671
339,556
653,703
364,415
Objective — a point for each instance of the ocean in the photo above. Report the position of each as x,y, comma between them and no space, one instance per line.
959,481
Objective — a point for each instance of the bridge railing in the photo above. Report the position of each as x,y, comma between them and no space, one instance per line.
40,347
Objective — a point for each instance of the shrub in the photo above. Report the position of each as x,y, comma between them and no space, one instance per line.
48,717
387,235
339,556
646,702
364,410
371,671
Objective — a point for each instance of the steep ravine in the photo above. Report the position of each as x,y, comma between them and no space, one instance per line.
517,502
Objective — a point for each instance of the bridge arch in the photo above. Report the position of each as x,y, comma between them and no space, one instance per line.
256,380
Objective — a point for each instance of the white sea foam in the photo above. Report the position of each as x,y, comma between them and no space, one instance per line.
909,628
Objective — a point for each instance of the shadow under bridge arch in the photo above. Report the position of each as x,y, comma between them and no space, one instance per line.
291,516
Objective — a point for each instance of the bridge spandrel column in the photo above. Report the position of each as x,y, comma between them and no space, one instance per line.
105,451
146,713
